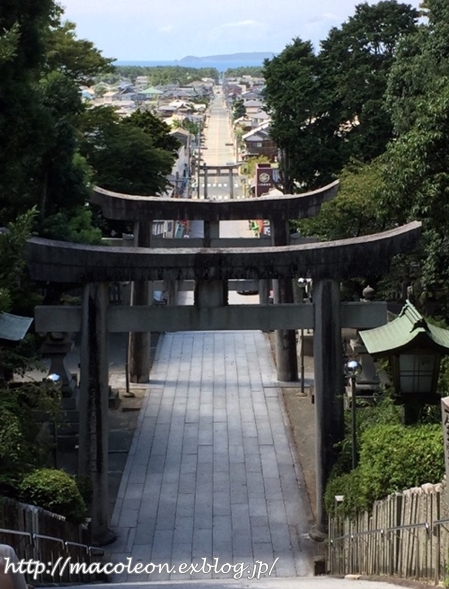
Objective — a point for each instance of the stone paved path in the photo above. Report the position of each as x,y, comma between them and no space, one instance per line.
211,473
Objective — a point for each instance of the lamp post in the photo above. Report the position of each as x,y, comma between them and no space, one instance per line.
55,381
302,295
352,370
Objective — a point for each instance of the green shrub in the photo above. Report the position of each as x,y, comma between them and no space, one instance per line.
56,491
392,458
348,485
382,412
395,457
24,443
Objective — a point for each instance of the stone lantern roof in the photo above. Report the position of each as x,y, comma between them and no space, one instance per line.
409,330
13,327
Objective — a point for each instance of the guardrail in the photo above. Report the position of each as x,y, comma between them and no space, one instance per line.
60,558
39,535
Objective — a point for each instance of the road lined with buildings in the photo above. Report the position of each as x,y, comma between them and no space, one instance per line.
212,472
218,150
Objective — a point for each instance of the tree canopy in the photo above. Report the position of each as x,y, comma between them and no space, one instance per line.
329,108
49,157
123,155
163,75
292,95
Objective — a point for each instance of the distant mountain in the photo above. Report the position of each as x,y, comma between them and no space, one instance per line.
257,56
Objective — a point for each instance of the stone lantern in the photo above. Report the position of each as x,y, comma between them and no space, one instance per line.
414,348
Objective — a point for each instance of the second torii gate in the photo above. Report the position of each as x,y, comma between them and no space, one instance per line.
142,211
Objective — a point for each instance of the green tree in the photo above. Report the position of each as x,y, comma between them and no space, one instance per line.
123,157
355,211
355,61
23,444
236,72
238,109
59,185
163,75
393,458
416,171
40,100
8,43
188,125
417,184
422,59
77,58
23,128
293,95
248,168
16,295
158,130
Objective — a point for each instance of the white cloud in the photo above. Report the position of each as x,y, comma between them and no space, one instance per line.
167,29
243,23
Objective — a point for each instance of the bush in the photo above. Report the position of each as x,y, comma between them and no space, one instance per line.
56,491
348,485
23,442
392,458
383,412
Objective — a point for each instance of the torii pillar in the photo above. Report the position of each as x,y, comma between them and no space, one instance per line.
286,355
139,349
329,387
93,405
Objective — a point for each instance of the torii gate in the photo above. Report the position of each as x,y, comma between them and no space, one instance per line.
142,211
326,263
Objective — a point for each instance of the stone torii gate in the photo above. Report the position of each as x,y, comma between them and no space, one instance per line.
326,263
142,211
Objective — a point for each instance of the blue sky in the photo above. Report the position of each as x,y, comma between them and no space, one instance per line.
171,29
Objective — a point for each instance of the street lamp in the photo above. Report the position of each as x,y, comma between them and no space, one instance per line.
55,380
352,370
302,285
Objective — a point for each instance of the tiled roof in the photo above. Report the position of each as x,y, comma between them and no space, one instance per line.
408,330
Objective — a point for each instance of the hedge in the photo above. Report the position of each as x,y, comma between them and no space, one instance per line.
56,491
392,458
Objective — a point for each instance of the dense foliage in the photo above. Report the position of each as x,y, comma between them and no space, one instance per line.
392,458
395,164
123,152
56,491
238,72
50,161
291,93
238,109
329,108
24,443
164,75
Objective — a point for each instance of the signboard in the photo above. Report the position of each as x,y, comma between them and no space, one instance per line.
264,179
